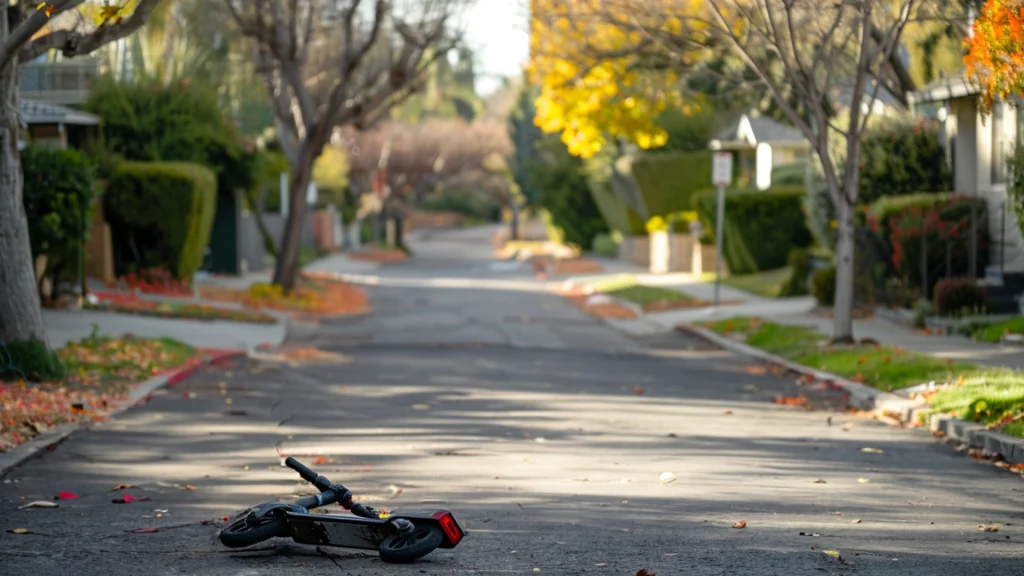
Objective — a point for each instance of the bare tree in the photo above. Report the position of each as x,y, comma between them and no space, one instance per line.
29,29
331,63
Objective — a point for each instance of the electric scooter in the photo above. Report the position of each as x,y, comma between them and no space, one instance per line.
399,538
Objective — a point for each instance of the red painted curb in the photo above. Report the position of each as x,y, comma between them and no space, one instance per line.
210,356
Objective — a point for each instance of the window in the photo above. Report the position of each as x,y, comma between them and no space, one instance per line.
1000,144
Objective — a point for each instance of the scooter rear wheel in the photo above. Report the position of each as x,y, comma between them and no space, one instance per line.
238,534
405,547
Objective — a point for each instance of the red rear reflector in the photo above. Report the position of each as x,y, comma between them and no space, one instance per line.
451,529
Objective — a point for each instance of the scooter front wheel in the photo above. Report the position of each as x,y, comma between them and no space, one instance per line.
405,547
240,534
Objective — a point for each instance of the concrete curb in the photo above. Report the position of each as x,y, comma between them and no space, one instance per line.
904,410
860,396
48,440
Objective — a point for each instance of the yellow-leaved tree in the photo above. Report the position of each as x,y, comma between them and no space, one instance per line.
600,76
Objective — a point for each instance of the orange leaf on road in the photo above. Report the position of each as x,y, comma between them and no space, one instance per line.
740,524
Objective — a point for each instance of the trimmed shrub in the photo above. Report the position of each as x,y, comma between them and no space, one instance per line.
58,198
956,296
565,194
160,215
604,245
794,174
823,286
669,181
899,158
800,266
760,227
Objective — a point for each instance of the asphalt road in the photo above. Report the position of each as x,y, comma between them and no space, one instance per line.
535,433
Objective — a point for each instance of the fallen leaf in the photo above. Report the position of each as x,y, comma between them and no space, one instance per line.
540,439
39,504
727,412
421,406
638,391
227,401
189,487
855,521
667,478
20,531
988,527
832,553
740,524
819,481
126,499
395,489
65,496
145,530
873,450
640,572
756,370
225,518
864,480
321,460
122,487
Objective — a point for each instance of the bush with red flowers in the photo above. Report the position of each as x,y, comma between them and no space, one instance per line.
955,296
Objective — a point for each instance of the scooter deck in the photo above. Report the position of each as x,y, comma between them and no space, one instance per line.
340,531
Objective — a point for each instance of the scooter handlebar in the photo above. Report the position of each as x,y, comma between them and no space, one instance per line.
308,475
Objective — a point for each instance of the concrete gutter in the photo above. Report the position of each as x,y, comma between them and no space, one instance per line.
894,406
48,440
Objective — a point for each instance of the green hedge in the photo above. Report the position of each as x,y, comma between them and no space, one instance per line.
879,212
760,227
669,181
58,199
160,216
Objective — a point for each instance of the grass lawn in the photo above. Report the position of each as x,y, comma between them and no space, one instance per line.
995,398
768,283
882,367
994,332
650,298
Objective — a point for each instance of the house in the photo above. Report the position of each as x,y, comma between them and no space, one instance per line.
977,149
55,126
759,144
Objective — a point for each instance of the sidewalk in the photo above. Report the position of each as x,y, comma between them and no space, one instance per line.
63,326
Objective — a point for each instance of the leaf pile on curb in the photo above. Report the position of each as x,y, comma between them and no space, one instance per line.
317,294
100,373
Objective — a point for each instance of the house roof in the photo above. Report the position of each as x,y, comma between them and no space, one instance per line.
842,94
39,113
944,89
756,129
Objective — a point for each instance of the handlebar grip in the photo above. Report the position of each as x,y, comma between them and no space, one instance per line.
307,474
322,484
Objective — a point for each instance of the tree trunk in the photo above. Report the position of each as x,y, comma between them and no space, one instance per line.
514,231
21,316
286,270
842,309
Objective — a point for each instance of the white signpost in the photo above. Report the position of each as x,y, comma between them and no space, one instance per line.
721,175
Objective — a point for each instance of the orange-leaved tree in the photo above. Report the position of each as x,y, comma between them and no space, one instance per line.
995,50
601,77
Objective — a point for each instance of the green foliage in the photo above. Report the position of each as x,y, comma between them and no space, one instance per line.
524,135
794,174
31,359
823,285
180,122
902,158
163,212
800,271
58,199
464,201
669,181
687,132
565,194
616,213
958,296
604,245
760,227
1015,184
268,166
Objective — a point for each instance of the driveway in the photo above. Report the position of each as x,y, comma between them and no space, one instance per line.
548,434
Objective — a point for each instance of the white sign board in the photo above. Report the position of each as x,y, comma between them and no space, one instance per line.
721,170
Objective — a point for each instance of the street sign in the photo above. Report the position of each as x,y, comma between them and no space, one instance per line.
721,171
